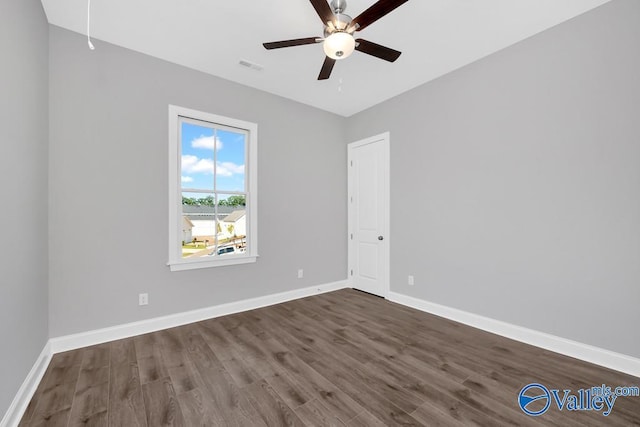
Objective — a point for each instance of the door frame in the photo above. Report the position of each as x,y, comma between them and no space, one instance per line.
385,140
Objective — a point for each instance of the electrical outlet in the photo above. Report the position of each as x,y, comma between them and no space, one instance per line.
300,273
410,280
143,299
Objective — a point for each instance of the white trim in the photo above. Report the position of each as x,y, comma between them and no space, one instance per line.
99,336
28,388
204,263
385,139
588,353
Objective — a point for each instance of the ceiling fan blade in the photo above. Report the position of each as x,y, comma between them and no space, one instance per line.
379,51
323,10
375,12
327,67
289,43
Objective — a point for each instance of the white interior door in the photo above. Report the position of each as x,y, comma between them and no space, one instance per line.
369,214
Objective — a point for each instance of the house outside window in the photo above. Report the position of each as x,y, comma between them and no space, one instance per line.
212,190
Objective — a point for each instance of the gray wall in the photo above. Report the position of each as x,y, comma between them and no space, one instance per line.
23,191
108,183
515,182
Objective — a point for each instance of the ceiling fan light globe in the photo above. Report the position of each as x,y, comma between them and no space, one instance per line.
339,45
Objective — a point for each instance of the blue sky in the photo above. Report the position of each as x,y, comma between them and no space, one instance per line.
198,146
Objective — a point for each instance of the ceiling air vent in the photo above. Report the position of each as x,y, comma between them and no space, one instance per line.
251,65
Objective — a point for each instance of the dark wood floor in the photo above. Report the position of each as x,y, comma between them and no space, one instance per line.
340,359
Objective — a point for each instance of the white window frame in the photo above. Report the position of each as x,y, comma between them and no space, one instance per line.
176,261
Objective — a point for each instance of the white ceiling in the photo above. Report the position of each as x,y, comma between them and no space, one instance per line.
435,36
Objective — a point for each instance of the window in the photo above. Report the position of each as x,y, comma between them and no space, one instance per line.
212,190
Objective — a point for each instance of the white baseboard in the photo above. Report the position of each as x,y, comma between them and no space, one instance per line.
609,359
99,336
28,388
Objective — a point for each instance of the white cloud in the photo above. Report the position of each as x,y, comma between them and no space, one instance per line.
207,142
193,164
229,169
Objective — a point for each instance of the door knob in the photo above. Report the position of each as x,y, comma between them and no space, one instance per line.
380,238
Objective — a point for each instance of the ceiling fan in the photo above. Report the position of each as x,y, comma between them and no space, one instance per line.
338,41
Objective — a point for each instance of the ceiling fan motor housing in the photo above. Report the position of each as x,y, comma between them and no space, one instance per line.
341,23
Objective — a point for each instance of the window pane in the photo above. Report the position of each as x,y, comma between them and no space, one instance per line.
233,224
230,162
197,144
198,224
210,231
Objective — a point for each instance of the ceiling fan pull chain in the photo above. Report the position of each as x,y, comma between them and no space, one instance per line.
91,46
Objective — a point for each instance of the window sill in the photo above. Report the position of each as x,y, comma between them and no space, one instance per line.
208,263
